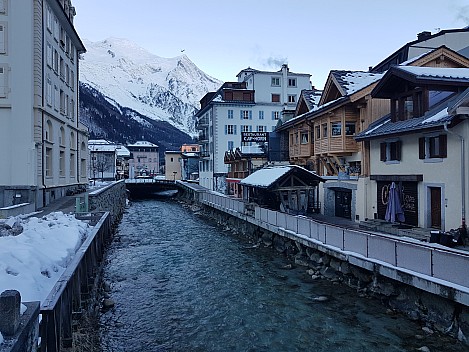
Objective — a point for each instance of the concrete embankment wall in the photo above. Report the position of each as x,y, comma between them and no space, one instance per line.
439,306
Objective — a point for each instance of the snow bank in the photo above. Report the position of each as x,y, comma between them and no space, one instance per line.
32,261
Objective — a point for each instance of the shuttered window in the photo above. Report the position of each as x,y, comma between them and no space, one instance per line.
390,151
433,147
3,81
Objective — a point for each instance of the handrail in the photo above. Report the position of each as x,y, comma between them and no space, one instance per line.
66,296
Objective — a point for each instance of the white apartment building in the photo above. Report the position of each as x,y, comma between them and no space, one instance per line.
253,104
144,159
43,147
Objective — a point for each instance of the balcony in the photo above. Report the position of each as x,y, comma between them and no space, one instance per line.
201,123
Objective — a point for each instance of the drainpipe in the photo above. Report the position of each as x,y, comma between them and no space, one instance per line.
463,168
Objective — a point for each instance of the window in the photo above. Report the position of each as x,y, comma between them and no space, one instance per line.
246,114
67,75
49,54
62,137
49,131
230,145
62,69
73,144
3,38
336,129
66,105
304,137
275,98
56,98
230,129
72,109
261,115
56,29
433,147
275,115
275,81
230,114
3,6
62,163
49,91
318,132
292,82
72,80
261,128
349,128
56,61
62,101
324,130
246,128
72,165
292,98
390,151
48,161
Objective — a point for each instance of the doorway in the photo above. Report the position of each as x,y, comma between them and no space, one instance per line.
435,207
343,203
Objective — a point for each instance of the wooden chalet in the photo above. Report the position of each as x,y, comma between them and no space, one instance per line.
291,189
240,165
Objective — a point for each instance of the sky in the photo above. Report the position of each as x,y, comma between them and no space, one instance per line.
311,36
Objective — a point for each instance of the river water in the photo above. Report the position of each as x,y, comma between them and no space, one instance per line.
182,283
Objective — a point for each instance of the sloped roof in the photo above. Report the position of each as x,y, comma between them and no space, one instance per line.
353,81
268,176
437,117
311,97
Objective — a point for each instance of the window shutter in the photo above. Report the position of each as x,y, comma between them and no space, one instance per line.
443,146
241,114
3,82
234,129
398,150
250,114
382,148
226,129
422,148
250,128
2,39
273,115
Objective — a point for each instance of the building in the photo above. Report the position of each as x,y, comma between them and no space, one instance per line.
173,165
420,146
144,159
107,160
43,147
190,155
255,103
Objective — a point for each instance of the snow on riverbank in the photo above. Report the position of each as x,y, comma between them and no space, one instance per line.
34,252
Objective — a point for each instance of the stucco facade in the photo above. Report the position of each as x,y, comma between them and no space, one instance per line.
43,147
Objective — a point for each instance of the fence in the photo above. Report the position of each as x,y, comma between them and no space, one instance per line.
66,298
418,257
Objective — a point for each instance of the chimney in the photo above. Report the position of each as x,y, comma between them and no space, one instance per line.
423,35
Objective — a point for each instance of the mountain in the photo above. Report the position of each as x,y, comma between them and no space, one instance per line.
119,124
161,89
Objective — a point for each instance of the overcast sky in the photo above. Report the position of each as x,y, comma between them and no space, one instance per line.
312,36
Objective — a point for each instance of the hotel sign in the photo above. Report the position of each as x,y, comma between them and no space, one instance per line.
257,137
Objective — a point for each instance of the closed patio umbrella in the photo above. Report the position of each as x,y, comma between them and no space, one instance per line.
394,209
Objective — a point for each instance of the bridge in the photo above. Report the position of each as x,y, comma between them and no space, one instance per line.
150,187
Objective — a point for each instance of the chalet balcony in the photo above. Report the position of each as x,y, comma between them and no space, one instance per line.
336,145
300,150
204,154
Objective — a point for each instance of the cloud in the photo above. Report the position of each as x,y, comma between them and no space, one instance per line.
275,62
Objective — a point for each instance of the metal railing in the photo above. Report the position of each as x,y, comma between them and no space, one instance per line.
433,260
68,296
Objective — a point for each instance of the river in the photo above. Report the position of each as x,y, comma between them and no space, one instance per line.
182,283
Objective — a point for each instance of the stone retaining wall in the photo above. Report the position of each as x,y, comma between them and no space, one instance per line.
111,198
435,312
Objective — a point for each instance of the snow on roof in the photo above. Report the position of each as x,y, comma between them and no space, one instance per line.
102,147
355,81
461,73
142,144
437,116
98,141
266,176
377,126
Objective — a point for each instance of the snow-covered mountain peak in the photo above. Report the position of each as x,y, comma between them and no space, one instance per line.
167,89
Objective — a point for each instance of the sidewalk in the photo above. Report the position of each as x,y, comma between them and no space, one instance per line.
65,204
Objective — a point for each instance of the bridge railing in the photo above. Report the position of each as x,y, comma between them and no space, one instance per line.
66,298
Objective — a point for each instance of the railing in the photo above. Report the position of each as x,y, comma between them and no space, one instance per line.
422,258
66,298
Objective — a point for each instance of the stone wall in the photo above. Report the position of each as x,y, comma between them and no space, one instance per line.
435,312
111,198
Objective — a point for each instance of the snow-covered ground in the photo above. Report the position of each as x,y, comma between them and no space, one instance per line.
34,252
